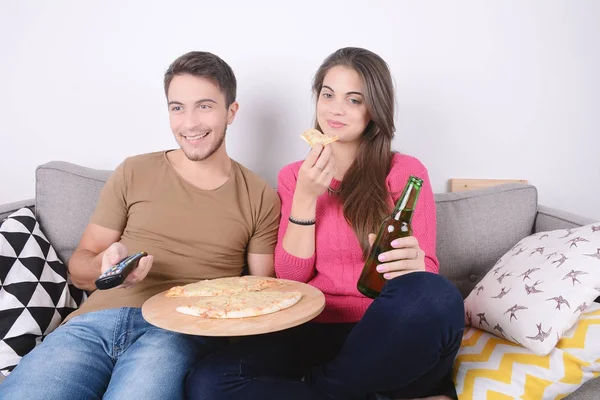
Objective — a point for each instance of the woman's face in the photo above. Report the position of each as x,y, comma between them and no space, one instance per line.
341,108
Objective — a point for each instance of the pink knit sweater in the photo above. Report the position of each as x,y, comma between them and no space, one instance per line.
338,261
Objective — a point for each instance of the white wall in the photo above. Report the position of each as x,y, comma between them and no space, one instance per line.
495,89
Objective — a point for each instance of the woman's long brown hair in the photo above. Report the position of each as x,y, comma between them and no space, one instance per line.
363,191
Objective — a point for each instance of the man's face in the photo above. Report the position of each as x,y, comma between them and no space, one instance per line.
198,115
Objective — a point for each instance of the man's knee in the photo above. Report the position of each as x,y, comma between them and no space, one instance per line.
54,370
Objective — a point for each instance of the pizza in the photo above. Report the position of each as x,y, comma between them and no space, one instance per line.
223,286
313,137
233,297
241,304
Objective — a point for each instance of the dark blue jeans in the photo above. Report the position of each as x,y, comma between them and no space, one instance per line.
403,347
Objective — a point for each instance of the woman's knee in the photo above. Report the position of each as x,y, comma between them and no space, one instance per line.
425,294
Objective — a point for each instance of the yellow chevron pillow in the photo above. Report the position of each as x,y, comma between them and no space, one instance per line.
492,368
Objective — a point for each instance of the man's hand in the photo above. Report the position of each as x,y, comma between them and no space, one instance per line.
118,251
113,254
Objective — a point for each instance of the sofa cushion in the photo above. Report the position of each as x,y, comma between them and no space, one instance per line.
538,289
474,228
66,195
35,295
487,365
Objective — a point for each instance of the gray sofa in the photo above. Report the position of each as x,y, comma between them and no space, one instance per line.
475,228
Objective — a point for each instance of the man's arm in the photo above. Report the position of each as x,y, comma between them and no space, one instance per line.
261,264
261,246
99,247
85,263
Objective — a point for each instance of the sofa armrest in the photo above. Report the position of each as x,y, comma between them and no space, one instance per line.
9,208
549,219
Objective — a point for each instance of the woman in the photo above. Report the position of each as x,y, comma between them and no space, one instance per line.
401,345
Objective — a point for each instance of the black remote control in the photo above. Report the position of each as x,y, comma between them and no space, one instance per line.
116,275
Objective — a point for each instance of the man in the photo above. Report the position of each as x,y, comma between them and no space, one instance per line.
196,212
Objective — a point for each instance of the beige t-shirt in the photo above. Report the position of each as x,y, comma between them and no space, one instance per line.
192,233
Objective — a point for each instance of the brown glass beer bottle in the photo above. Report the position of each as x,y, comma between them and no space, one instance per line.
395,226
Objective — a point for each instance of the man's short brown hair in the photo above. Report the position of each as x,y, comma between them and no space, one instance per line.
204,65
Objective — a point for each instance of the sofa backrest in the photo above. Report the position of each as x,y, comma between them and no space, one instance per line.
65,197
474,228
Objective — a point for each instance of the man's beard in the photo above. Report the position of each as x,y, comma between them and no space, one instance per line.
210,152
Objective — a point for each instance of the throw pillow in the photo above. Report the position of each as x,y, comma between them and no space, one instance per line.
489,367
537,290
35,295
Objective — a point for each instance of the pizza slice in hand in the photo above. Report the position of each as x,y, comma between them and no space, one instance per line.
314,137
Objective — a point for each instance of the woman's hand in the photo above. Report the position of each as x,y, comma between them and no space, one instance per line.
406,257
316,173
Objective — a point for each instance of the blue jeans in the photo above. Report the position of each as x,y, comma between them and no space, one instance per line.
108,354
403,347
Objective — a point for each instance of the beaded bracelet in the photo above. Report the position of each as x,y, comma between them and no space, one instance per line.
304,222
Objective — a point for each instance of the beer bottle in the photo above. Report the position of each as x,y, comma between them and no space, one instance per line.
395,226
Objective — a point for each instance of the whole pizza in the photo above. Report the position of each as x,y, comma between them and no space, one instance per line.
234,297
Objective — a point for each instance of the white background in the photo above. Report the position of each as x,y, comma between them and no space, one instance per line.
486,89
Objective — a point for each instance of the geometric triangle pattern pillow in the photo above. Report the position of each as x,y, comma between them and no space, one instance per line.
489,367
35,295
538,289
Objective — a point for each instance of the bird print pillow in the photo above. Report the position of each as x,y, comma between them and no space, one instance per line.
539,288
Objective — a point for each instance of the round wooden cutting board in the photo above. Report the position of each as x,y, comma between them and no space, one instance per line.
159,310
